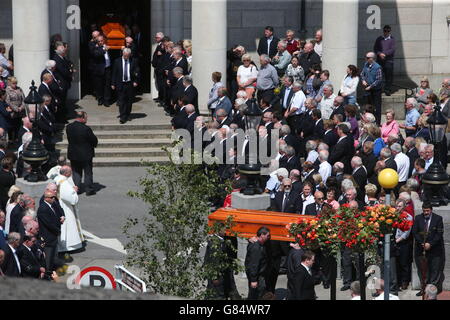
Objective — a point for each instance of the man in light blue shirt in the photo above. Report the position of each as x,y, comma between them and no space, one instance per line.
282,58
412,115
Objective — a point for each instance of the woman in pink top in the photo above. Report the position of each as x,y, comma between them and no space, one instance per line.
390,126
331,199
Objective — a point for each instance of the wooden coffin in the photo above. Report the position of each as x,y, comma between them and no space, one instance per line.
115,35
247,222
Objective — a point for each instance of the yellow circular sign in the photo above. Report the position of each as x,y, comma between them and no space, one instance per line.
388,178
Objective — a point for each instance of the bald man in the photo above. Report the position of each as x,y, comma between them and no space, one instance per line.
313,209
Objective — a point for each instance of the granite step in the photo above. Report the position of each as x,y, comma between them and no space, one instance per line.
114,153
124,143
127,161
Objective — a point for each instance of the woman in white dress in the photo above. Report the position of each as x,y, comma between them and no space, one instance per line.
349,85
246,76
71,233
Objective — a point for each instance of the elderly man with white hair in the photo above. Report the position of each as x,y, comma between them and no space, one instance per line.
274,182
267,79
50,68
359,172
402,162
282,58
311,152
71,238
296,107
412,115
327,102
125,78
325,168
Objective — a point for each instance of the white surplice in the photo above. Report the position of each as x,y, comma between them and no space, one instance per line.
71,233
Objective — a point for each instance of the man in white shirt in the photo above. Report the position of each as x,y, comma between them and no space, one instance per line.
326,105
429,155
274,182
324,167
403,163
297,106
355,290
318,46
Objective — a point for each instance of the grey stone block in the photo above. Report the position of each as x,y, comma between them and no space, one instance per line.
256,202
35,190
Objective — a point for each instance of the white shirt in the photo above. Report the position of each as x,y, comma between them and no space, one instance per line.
326,106
16,258
107,59
246,74
349,86
126,77
273,184
309,199
298,102
312,156
356,298
269,41
325,170
428,163
318,48
403,163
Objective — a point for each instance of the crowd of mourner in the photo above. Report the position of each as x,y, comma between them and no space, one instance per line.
333,142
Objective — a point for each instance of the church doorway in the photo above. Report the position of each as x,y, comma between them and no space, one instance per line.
134,16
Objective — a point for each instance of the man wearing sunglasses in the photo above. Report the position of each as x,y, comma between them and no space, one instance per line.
385,49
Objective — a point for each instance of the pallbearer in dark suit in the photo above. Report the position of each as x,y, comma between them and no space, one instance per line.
11,264
101,71
29,261
125,79
190,92
428,230
302,285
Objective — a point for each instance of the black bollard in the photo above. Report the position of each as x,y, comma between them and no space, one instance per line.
333,276
362,275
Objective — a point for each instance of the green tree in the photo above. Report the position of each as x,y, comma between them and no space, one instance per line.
166,244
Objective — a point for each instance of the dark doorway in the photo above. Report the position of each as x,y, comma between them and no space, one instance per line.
128,13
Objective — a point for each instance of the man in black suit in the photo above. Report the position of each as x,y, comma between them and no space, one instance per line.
344,149
302,284
17,213
286,93
190,119
268,44
11,265
313,209
45,89
50,68
291,140
329,136
256,264
222,118
125,78
428,230
82,142
49,228
46,124
29,262
176,90
190,92
309,57
411,152
179,120
359,172
101,71
64,73
286,200
157,64
318,131
386,156
292,161
338,107
368,158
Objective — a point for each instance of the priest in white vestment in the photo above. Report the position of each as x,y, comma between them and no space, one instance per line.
71,238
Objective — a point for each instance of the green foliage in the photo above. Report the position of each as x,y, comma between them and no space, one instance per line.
165,244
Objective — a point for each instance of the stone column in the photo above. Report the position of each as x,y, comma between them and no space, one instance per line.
31,40
340,38
209,45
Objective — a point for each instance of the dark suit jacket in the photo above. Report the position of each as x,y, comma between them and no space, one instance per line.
157,59
226,122
282,95
307,60
16,218
413,155
180,119
434,236
262,46
293,141
62,71
306,125
44,90
82,142
29,263
292,163
338,110
49,225
311,209
117,72
390,163
176,90
318,130
369,161
343,152
98,60
190,123
360,177
302,285
294,202
330,138
192,96
9,266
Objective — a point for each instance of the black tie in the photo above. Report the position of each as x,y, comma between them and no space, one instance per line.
125,76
